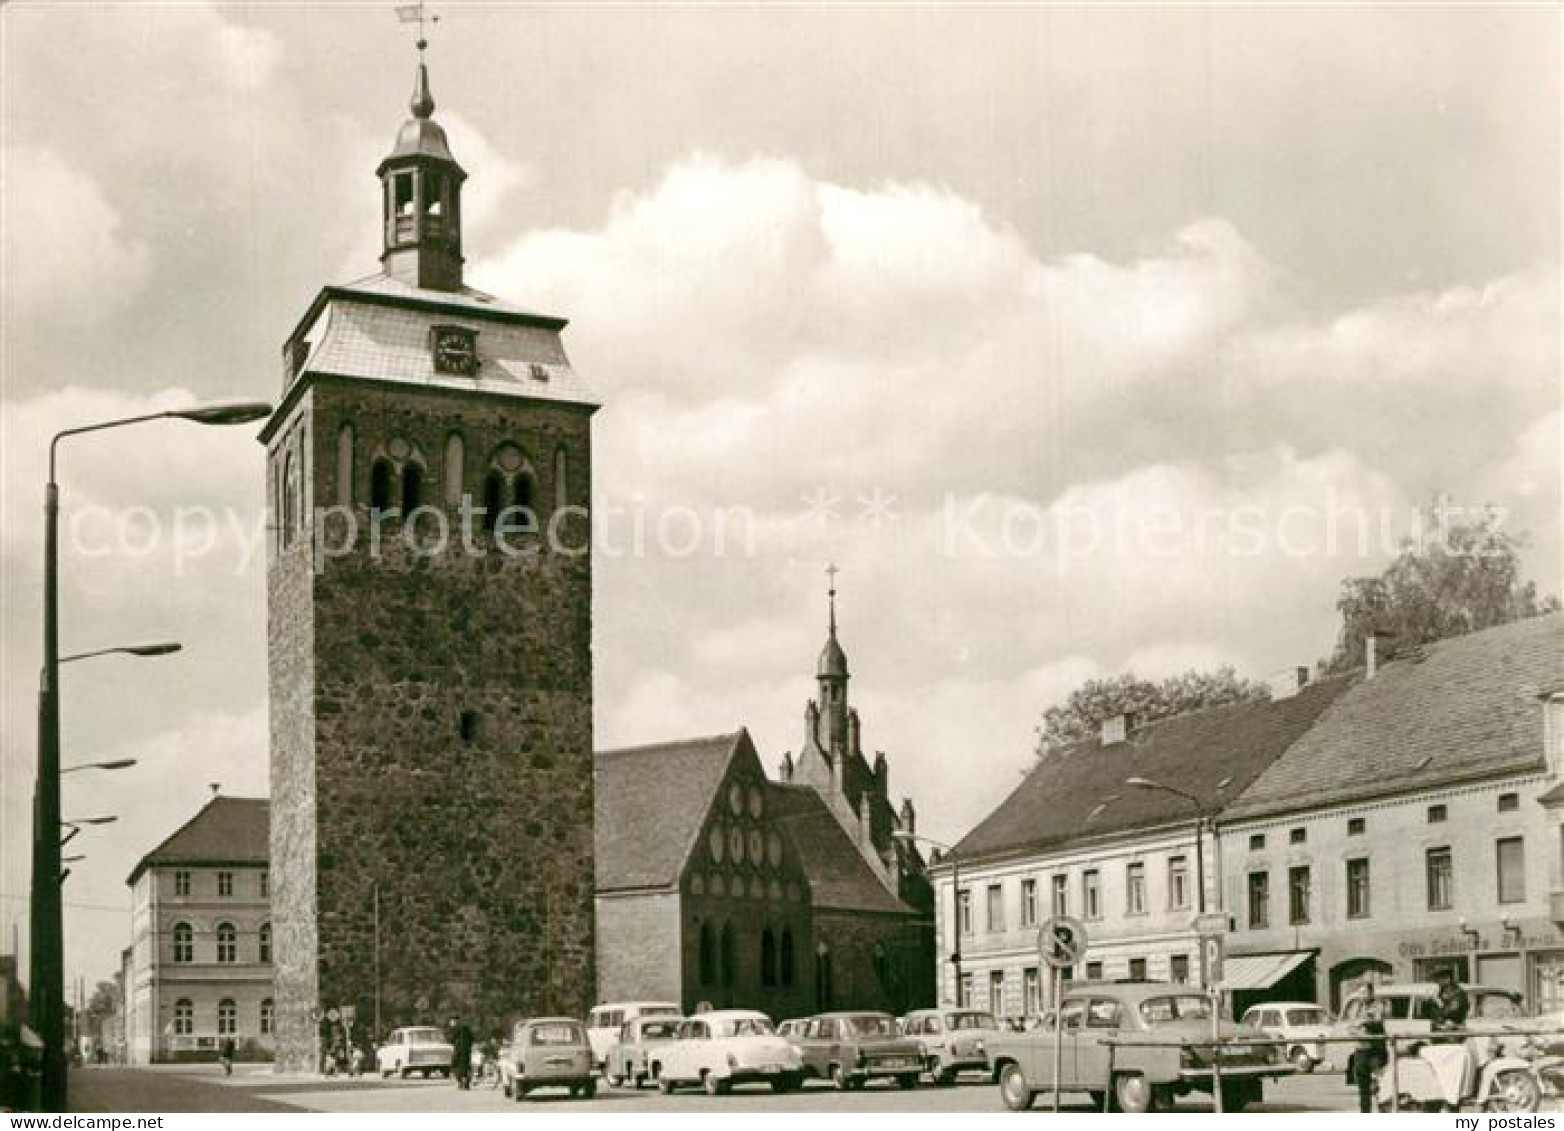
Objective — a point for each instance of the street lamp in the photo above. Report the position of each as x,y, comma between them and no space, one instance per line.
162,648
1203,820
955,888
115,764
47,925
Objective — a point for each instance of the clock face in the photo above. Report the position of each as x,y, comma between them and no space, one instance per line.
455,350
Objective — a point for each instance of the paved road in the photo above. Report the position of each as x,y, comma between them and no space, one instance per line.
204,1088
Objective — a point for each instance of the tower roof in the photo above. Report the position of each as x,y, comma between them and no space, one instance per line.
421,136
833,661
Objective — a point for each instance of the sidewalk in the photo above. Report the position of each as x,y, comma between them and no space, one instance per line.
141,1090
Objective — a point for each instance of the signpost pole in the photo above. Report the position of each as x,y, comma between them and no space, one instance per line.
1058,973
1216,1047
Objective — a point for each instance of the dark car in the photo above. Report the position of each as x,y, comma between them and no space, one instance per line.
850,1049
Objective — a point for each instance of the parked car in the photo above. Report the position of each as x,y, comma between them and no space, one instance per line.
636,1057
850,1049
1407,1006
952,1041
792,1029
417,1048
717,1050
1302,1024
605,1021
1135,1079
548,1052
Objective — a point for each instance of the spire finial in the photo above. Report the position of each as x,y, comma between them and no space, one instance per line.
831,571
422,103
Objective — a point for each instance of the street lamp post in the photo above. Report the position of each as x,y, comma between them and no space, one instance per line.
47,920
1203,822
955,900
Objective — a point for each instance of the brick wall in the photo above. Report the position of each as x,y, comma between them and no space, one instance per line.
640,962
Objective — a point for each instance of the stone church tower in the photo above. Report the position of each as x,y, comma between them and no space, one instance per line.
429,590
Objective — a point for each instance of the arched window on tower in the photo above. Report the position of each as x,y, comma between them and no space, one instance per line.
729,954
380,476
786,957
345,465
412,488
708,954
290,506
524,492
454,472
768,958
493,499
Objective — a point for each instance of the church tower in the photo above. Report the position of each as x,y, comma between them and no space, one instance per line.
430,601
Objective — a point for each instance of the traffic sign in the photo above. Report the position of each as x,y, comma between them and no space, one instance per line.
1210,923
1211,952
1061,942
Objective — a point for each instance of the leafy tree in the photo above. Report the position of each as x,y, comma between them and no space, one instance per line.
1081,714
1456,577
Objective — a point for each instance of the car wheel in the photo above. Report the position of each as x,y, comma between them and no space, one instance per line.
907,1081
1302,1061
518,1091
838,1078
505,1088
589,1089
1237,1096
1514,1092
611,1080
665,1085
1132,1093
1098,1100
711,1085
943,1077
404,1073
1013,1088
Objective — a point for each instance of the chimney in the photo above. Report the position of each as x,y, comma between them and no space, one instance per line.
1285,685
909,816
852,731
882,774
1115,729
785,768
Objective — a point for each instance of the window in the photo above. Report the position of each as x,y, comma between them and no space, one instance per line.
455,471
964,990
1061,895
1178,968
1091,894
1178,883
786,956
184,1017
728,955
1093,971
1509,802
1298,836
181,883
996,992
380,485
1103,1013
345,465
288,488
227,943
227,1017
708,955
1137,969
467,726
412,488
265,953
1358,888
1031,991
1259,900
1356,826
964,911
266,884
225,885
493,499
1256,842
1299,884
1440,871
184,943
768,958
524,492
268,1017
1135,889
1512,870
1437,814
995,908
1029,903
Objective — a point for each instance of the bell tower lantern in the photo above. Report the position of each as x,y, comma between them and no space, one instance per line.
421,200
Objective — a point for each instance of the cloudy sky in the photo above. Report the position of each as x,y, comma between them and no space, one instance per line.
1083,341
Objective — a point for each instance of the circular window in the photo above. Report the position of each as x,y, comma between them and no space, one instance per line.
774,849
399,448
757,802
717,842
736,844
757,847
736,799
509,457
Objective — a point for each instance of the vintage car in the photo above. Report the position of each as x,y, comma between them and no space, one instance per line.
636,1057
952,1040
1131,1077
850,1049
1406,1007
1302,1024
792,1029
418,1048
548,1052
725,1047
605,1021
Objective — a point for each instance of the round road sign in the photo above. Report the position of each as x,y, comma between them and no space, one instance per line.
1061,941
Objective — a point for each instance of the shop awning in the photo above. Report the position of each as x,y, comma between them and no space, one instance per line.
1260,971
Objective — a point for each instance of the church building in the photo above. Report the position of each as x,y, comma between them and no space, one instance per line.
719,885
429,632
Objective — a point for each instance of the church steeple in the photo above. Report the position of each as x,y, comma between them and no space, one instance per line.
832,676
421,193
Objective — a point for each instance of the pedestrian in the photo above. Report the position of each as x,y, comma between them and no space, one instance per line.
1364,1065
225,1054
461,1052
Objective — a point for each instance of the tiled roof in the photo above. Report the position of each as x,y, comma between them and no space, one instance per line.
479,302
839,878
651,803
1458,709
227,830
1059,799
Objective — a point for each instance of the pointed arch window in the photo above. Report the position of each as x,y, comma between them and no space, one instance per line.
184,942
345,465
227,943
523,491
768,958
708,954
380,477
455,469
493,499
290,500
729,954
412,488
786,957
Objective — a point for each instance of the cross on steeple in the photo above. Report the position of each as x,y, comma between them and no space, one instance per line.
831,571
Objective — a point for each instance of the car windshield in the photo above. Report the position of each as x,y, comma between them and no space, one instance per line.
870,1025
424,1036
971,1021
660,1030
742,1027
562,1033
1174,1007
1496,1005
1307,1017
660,1011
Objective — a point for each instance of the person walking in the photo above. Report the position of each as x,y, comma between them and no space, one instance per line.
1364,1065
225,1054
461,1053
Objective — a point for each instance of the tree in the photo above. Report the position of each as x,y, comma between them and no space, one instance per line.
1082,713
1456,577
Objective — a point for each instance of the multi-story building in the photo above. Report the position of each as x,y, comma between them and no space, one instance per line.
200,962
1416,825
1077,838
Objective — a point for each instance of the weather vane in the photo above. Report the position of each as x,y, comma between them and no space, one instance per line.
414,14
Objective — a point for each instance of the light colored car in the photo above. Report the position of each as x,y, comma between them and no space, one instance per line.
417,1048
725,1047
605,1021
792,1030
548,1052
1095,1018
1302,1024
1407,1007
636,1057
952,1040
